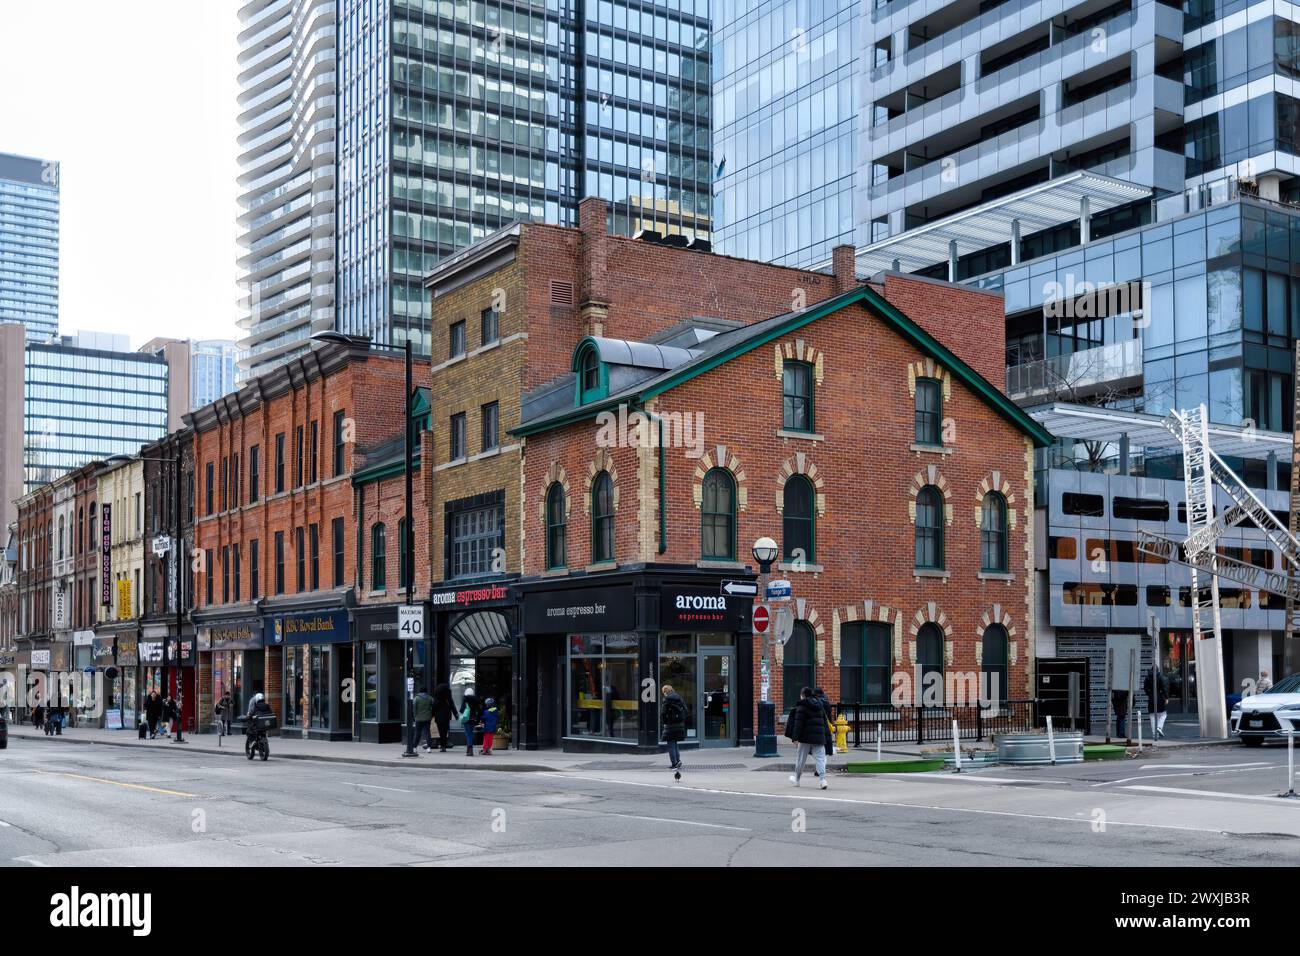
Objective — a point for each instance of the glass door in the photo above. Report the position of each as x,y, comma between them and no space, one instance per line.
717,691
1178,661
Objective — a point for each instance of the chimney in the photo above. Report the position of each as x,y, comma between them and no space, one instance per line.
593,301
844,267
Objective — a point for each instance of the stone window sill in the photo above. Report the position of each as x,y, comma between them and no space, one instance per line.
720,564
601,566
996,576
555,573
931,573
932,449
810,436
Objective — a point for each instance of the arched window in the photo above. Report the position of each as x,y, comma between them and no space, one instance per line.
797,518
929,528
555,526
929,654
994,656
718,515
81,529
929,411
592,380
602,518
798,664
993,533
797,396
378,557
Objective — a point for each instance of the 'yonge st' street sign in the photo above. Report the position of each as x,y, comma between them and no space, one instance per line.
1276,582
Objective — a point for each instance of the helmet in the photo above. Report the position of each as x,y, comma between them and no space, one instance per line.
258,697
489,702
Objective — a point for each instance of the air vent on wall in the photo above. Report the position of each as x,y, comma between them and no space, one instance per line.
561,292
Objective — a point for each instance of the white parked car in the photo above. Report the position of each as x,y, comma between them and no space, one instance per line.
1270,715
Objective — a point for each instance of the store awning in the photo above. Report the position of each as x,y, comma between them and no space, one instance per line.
1090,423
989,224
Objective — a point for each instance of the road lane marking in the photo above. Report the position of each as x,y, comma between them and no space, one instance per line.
373,786
1203,766
116,783
28,860
884,803
1216,794
634,816
960,778
1192,773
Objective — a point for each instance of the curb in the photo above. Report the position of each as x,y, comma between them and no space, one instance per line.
362,761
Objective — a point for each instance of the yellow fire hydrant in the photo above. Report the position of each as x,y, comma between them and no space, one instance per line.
841,734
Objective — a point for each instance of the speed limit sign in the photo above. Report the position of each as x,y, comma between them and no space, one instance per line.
410,622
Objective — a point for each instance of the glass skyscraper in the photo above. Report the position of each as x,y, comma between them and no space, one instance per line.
213,371
785,76
29,244
458,117
85,397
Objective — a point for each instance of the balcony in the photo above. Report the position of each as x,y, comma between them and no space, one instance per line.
1110,368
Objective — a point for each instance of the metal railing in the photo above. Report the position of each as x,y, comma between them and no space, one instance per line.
1081,371
888,724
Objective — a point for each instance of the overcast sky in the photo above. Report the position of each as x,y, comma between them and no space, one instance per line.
136,100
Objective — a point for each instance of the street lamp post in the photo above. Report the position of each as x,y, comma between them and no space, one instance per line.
408,539
765,552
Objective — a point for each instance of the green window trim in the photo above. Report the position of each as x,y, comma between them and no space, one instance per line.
929,411
378,557
798,664
602,518
993,534
795,525
929,529
556,527
718,515
586,361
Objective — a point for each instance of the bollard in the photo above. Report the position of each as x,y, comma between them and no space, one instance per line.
1051,741
1139,726
1290,765
879,737
956,745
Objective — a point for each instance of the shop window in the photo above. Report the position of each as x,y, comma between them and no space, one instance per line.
994,655
798,664
718,515
679,666
929,528
556,523
865,663
797,396
603,699
929,656
293,686
370,681
1084,506
929,411
797,520
378,557
602,518
993,533
320,685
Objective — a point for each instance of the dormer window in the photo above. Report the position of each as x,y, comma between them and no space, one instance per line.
593,379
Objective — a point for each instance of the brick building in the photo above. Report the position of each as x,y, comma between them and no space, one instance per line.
524,316
34,534
275,534
162,631
121,541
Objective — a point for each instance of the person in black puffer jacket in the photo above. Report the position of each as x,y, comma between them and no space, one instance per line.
807,727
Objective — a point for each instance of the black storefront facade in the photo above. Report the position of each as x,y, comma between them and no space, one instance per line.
381,673
593,650
475,627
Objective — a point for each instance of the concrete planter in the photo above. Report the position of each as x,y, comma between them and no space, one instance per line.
1032,748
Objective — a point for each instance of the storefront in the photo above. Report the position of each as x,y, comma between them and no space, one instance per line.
381,665
128,686
103,663
181,658
232,653
474,625
591,660
316,665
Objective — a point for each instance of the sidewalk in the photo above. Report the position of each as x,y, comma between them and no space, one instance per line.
516,761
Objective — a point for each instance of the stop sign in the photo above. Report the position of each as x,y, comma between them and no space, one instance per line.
762,618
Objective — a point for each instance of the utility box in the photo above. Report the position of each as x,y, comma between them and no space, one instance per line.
1061,686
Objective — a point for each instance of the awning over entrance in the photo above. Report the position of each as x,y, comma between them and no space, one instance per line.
1090,423
1076,195
477,631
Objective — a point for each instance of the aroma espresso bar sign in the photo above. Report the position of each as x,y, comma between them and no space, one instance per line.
701,609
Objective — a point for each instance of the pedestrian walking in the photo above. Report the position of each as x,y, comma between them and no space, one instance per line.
491,718
225,712
673,714
38,716
807,727
442,710
153,711
830,726
1264,684
1156,686
469,713
423,718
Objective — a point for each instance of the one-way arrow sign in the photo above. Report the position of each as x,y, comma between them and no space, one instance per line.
739,588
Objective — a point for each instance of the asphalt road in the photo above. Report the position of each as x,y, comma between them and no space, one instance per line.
65,804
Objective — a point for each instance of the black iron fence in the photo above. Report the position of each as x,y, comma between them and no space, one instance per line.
871,722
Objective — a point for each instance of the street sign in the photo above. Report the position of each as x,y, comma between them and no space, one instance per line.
784,625
779,591
740,588
762,617
161,545
410,622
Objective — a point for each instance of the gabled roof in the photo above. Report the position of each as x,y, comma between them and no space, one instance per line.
726,346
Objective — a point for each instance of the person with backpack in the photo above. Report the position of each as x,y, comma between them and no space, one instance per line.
469,713
807,726
423,718
830,728
491,719
673,714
